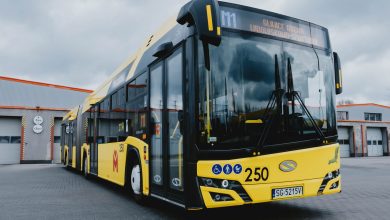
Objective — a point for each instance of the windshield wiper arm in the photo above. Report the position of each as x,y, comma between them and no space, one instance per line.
292,95
275,100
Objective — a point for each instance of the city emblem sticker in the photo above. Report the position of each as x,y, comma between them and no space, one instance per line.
237,169
217,169
227,169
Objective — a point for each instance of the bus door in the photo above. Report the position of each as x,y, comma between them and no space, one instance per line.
69,132
92,139
166,113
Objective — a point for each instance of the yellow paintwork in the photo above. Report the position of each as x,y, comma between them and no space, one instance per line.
106,164
66,151
209,18
85,148
74,156
257,121
312,166
106,161
71,115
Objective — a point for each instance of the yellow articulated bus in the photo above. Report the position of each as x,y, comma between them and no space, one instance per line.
227,105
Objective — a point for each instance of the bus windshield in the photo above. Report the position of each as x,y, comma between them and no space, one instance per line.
233,96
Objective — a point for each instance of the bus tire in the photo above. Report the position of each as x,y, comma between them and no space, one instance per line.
66,161
85,172
135,185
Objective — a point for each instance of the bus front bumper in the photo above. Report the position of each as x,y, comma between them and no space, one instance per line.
214,197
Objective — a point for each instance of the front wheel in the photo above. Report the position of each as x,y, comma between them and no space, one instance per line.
135,183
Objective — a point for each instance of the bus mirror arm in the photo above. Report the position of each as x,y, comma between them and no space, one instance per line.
338,73
205,17
206,54
180,119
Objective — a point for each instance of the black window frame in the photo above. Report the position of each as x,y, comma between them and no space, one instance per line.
340,115
3,138
369,116
18,138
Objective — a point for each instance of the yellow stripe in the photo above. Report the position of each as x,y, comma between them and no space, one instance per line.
219,31
209,17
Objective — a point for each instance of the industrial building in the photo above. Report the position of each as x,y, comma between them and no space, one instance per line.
30,119
363,130
31,114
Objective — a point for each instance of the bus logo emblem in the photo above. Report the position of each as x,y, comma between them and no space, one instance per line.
115,161
287,165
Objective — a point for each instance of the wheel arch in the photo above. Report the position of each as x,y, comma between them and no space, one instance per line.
132,156
85,155
140,150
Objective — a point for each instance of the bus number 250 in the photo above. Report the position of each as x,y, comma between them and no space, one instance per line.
257,174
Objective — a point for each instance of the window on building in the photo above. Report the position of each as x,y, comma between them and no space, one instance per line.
15,140
374,142
4,139
369,142
380,142
57,139
372,116
342,115
344,141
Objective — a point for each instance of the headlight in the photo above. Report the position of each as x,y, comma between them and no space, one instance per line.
225,184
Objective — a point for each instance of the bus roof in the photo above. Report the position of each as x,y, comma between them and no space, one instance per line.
103,90
131,64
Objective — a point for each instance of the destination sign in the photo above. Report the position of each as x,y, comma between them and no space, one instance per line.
299,31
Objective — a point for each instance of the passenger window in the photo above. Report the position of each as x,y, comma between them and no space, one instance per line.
136,106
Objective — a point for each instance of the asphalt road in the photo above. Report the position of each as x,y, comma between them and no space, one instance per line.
51,192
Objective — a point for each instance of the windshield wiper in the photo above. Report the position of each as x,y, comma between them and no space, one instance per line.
292,95
275,100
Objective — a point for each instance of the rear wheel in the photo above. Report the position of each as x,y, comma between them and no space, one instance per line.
85,168
65,159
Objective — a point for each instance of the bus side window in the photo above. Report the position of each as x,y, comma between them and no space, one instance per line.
135,106
104,121
117,130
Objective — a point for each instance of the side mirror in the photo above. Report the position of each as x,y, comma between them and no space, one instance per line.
338,73
204,15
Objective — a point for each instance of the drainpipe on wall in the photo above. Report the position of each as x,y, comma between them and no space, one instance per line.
354,141
361,129
388,147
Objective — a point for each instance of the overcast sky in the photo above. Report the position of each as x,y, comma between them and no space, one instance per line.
80,42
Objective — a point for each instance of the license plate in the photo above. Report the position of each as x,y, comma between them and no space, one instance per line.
288,192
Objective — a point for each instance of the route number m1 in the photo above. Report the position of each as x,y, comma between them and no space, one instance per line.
229,19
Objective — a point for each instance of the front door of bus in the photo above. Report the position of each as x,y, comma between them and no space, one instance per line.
166,104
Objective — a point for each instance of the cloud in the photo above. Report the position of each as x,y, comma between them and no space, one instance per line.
79,43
